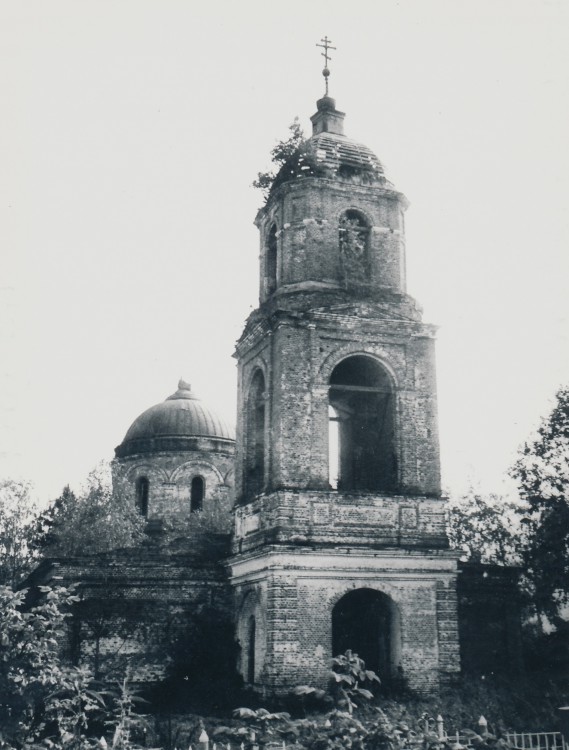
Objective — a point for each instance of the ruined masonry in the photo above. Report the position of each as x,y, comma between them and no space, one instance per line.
326,504
339,538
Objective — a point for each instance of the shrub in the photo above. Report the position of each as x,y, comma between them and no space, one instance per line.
46,702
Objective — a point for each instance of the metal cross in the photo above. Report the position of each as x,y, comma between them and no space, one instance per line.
326,46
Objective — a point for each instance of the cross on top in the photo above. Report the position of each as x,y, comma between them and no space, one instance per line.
326,46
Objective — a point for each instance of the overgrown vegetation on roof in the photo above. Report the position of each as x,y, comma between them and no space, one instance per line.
323,155
290,157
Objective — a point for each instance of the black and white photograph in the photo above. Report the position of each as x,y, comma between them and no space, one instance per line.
284,375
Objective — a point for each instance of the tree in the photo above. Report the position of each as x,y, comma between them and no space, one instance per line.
542,474
287,153
44,701
487,530
95,520
49,523
30,664
17,519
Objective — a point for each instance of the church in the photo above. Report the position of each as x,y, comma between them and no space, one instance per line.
319,524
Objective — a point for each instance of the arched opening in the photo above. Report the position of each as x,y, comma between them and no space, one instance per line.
354,234
142,491
362,426
197,494
255,451
251,650
367,622
271,260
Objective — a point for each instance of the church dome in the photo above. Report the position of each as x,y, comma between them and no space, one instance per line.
175,424
336,152
329,153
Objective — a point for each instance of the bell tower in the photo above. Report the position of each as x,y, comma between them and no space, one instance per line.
339,517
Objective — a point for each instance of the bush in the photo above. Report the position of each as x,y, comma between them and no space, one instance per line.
46,702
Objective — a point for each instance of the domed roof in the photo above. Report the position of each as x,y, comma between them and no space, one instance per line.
331,154
170,425
334,151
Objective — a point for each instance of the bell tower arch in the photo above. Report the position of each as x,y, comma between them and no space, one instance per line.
337,436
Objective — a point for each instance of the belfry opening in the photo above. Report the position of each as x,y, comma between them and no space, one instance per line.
366,622
362,427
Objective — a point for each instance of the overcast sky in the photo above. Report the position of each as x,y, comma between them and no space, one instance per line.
131,132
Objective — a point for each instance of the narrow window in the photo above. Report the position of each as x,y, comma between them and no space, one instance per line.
333,448
354,252
255,453
197,493
142,489
271,260
251,651
362,422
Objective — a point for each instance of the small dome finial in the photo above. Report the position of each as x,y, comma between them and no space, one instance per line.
183,385
326,72
184,391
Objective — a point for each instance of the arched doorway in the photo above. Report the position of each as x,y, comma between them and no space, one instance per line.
367,622
362,426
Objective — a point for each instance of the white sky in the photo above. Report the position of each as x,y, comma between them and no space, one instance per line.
130,134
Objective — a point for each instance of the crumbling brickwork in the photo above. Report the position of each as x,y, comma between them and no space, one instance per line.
170,475
135,603
339,538
297,403
293,594
344,519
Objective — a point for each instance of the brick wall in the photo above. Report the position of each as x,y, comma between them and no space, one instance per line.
296,448
299,544
135,602
307,216
170,477
340,518
298,591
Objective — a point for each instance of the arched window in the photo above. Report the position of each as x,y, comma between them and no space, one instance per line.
255,452
271,260
142,490
354,248
197,494
251,627
362,423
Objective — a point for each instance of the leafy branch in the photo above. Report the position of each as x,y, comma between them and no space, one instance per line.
290,159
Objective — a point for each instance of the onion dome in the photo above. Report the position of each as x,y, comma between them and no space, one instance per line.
181,422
